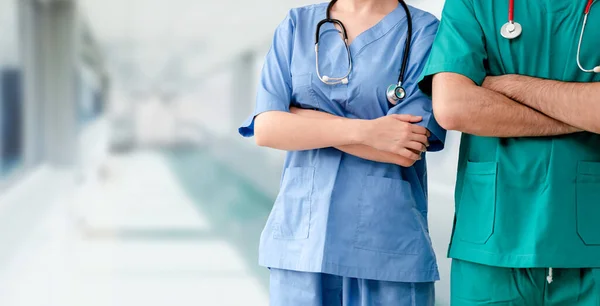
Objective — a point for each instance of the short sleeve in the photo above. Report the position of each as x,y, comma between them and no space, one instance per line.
274,89
417,103
459,46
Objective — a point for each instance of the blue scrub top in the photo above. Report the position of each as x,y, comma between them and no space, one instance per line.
337,213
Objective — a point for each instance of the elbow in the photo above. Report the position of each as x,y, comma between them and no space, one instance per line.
260,140
448,109
596,127
447,114
261,135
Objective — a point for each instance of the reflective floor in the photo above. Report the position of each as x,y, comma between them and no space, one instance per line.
149,234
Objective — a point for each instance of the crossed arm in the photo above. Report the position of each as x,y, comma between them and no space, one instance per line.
514,106
391,139
576,104
359,150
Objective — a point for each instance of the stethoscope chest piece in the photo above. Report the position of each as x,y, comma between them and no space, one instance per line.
395,93
511,30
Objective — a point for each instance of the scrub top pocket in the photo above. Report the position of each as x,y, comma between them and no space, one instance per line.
386,222
293,204
477,205
588,202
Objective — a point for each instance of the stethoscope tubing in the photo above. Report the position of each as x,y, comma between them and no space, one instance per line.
344,79
588,8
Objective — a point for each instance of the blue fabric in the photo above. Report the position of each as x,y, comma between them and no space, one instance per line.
291,288
337,213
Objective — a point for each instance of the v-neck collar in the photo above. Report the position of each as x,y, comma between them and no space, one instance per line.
373,33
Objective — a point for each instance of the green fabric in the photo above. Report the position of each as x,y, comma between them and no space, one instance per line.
474,284
523,202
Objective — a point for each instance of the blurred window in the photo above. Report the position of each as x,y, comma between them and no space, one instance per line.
11,93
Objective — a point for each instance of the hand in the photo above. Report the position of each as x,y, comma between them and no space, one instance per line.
397,134
403,161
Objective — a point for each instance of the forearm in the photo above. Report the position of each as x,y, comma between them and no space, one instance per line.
292,132
573,103
461,105
358,150
369,153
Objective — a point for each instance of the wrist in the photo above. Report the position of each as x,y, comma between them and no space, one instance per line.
357,130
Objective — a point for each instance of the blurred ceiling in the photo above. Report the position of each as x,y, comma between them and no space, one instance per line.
150,43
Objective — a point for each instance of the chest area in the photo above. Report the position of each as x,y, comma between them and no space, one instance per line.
371,64
549,43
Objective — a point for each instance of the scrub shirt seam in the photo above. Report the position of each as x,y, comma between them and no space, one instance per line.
398,271
494,257
498,254
355,272
424,230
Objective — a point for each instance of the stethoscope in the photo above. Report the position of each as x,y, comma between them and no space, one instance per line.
395,92
588,8
512,30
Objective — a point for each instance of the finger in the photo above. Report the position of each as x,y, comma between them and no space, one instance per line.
407,118
416,146
409,154
418,129
428,133
417,152
420,138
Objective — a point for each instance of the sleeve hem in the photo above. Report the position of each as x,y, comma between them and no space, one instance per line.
247,127
461,67
438,135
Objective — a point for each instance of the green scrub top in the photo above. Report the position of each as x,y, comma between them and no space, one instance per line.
523,202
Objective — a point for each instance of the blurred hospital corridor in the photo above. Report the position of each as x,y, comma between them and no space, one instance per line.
147,233
123,180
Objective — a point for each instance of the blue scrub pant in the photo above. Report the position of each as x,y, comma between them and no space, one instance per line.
292,288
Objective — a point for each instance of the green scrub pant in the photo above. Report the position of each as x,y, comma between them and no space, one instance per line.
474,284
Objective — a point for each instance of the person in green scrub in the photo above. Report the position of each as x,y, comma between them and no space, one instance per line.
527,222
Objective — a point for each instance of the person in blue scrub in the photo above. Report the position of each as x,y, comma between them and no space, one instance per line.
349,225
